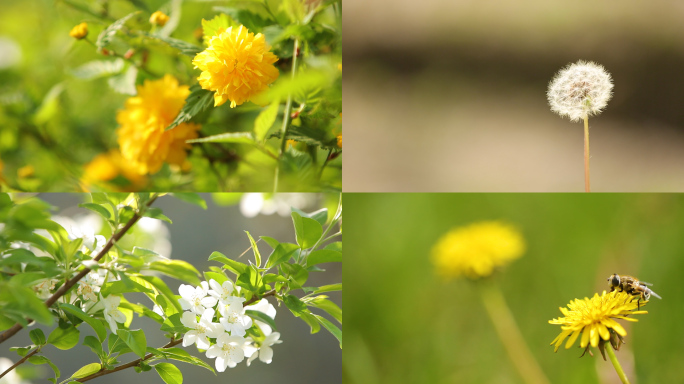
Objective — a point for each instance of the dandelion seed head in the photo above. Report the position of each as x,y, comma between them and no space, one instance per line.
580,90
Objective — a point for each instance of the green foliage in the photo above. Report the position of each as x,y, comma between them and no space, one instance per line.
135,340
198,100
86,370
94,323
64,338
169,373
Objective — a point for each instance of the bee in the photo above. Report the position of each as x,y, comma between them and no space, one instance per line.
632,286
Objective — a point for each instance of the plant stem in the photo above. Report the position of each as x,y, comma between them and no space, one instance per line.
286,118
18,363
616,364
586,154
510,335
66,286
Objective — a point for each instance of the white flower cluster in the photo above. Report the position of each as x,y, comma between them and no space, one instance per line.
230,347
580,90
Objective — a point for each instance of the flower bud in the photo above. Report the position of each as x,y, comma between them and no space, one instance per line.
80,31
158,18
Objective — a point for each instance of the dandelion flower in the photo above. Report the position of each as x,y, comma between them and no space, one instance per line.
595,318
80,31
475,250
580,90
159,18
142,134
236,66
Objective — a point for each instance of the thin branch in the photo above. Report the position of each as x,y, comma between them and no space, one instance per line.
18,363
66,286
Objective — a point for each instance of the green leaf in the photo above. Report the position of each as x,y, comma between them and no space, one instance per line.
178,269
38,360
330,327
323,303
22,301
255,249
297,273
156,213
265,120
98,68
108,33
282,252
122,286
321,215
21,351
191,198
198,100
184,47
323,256
37,337
97,208
218,24
264,318
64,338
231,137
273,243
308,231
328,288
169,373
95,345
234,266
49,107
124,83
164,290
94,323
219,277
173,324
135,340
87,371
181,355
296,306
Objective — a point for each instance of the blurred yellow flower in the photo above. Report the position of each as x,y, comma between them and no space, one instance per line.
26,171
236,65
339,140
107,166
80,31
142,134
476,250
291,143
159,18
594,317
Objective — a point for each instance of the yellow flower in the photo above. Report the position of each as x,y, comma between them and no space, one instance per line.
594,318
237,65
291,143
475,250
142,134
26,171
158,18
80,31
107,166
339,140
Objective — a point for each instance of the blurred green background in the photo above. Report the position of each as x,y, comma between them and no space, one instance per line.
406,326
302,358
450,95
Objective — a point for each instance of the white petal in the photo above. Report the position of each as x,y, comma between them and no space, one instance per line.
209,301
189,319
202,342
208,315
215,286
266,354
118,316
227,287
186,291
213,351
184,304
112,324
189,338
272,339
221,364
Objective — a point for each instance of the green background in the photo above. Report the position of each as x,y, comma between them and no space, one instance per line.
405,325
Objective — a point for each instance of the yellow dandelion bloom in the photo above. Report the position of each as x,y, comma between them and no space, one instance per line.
80,31
107,166
595,318
159,18
476,250
142,134
237,65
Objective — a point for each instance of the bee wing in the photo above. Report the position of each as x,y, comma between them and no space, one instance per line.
645,283
656,295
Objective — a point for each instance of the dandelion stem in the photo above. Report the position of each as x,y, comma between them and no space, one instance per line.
586,154
510,335
286,118
616,364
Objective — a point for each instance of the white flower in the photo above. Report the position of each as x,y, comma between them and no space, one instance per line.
223,292
580,90
202,330
90,285
263,306
44,289
265,353
111,311
234,320
227,351
195,299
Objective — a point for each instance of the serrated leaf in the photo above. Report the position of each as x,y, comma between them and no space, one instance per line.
184,47
230,137
169,373
64,338
108,33
98,68
265,120
135,340
37,337
124,83
330,327
100,330
87,371
97,208
190,197
323,256
198,100
218,24
178,269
